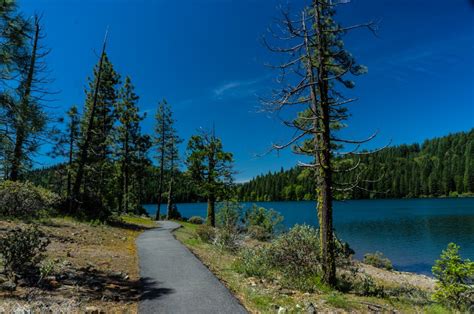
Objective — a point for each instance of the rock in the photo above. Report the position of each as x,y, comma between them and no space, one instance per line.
281,310
286,291
126,277
50,278
93,310
8,286
311,309
124,238
116,274
54,284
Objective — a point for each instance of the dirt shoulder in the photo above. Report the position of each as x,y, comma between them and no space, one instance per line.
93,268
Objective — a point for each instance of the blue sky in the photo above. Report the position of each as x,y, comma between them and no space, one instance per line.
206,59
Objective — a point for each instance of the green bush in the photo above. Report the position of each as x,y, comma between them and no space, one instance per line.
206,233
25,200
196,220
455,279
268,219
228,215
378,260
253,262
227,239
297,252
22,250
258,233
366,286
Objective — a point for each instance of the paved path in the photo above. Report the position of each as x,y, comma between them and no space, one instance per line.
175,281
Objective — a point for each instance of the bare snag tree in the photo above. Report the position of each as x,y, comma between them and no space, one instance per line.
313,78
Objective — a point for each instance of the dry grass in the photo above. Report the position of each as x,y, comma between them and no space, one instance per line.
94,265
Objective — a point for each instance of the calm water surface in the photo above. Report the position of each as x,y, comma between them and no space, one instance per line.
412,233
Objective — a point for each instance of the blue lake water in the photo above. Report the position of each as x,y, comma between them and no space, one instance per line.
411,232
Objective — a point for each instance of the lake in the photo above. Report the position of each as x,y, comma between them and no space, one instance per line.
410,232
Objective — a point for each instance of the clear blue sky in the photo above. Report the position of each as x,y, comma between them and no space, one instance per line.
205,58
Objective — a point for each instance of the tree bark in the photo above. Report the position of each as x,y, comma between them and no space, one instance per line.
162,168
211,211
324,190
20,132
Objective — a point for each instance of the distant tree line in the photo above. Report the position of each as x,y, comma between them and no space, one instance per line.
439,167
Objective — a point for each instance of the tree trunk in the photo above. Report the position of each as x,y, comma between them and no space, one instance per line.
85,145
126,175
324,192
211,211
69,175
24,103
162,168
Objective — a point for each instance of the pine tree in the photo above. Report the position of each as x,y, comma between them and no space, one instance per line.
211,169
127,140
321,64
165,140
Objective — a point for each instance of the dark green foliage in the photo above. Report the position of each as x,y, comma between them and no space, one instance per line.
210,168
455,279
206,233
258,233
196,220
228,215
439,167
25,200
22,250
267,219
378,260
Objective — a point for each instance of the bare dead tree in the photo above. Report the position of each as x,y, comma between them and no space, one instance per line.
312,78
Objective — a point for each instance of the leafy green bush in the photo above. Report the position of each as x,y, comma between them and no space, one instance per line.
25,200
258,233
268,219
206,233
297,252
22,250
196,220
253,262
455,279
366,286
228,215
378,260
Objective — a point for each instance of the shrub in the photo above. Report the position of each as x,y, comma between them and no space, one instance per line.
367,287
378,260
455,279
253,262
196,220
206,233
22,250
228,215
227,239
25,200
258,233
268,219
173,213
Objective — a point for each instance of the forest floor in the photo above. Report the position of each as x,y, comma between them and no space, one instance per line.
406,292
93,268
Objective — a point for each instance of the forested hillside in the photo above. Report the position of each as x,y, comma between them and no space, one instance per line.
438,167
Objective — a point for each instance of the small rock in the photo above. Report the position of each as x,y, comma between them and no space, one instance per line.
281,310
54,284
50,278
126,277
116,274
311,309
286,291
8,286
93,310
124,238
